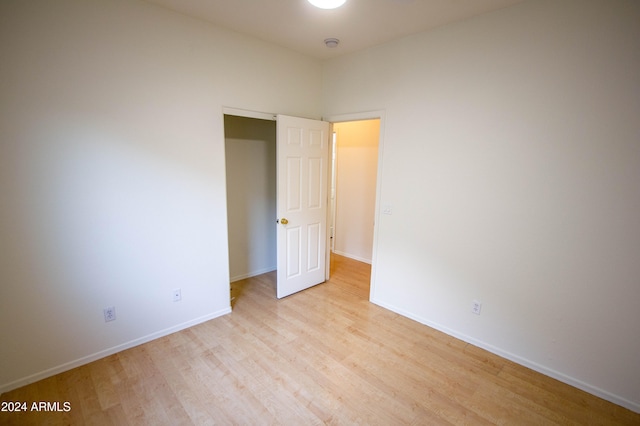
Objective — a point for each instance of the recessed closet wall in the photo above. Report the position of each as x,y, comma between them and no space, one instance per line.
250,151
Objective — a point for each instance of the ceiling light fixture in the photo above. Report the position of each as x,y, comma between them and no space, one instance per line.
327,4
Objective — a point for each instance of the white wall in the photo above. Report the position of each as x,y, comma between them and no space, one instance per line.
112,172
512,163
250,151
356,170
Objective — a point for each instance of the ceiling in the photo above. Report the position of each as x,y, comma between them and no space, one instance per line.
297,25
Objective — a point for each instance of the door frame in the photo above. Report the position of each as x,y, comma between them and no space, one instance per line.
359,116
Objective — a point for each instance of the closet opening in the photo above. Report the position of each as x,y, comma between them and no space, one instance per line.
250,157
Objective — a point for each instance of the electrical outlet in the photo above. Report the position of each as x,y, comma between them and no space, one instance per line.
177,295
476,307
109,314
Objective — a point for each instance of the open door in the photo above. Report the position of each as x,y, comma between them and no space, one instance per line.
302,163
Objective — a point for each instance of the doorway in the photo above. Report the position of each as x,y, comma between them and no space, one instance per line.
277,187
353,188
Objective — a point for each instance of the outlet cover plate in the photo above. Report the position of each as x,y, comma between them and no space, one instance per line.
476,307
109,314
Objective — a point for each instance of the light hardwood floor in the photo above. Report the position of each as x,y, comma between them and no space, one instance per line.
322,356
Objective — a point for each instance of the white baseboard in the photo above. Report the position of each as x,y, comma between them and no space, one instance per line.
252,274
352,256
594,390
110,351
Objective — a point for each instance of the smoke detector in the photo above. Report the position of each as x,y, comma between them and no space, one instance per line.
331,42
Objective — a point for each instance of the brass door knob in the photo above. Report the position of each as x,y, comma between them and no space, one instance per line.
284,221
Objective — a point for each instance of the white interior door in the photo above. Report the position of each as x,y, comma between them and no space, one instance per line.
302,163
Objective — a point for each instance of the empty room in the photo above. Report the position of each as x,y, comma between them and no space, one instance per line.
501,270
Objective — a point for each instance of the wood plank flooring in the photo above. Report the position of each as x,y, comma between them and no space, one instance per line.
322,356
